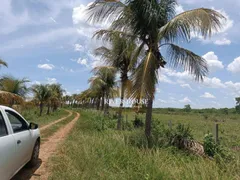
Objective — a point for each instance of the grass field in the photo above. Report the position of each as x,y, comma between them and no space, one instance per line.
201,124
32,115
92,154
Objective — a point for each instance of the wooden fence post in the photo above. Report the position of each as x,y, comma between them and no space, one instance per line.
170,124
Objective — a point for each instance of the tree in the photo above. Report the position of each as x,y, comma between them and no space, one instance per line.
104,80
187,108
237,104
42,94
155,24
56,96
15,86
122,56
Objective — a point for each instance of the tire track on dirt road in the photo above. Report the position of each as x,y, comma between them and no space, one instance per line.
48,148
57,121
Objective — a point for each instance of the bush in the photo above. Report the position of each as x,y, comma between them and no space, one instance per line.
101,122
213,149
209,145
164,136
179,136
138,122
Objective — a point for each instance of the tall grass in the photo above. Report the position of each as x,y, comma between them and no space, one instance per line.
92,154
32,115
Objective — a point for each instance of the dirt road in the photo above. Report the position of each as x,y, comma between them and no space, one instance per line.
48,148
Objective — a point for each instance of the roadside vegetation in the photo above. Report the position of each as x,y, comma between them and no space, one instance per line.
32,115
139,142
93,151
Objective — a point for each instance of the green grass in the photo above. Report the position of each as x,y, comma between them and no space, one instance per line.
228,130
32,115
91,154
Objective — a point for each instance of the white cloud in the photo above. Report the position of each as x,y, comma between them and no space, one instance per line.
213,61
235,87
164,78
158,90
41,38
96,62
185,100
51,80
227,23
213,82
82,62
208,95
10,22
186,86
222,41
46,66
84,27
234,66
78,47
179,9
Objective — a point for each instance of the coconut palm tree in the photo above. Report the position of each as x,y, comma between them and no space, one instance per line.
104,80
155,24
15,86
122,56
56,95
42,94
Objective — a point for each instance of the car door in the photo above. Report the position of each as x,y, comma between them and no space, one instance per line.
22,136
7,151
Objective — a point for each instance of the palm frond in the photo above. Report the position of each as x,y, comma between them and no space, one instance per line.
182,58
145,78
6,97
201,21
105,10
3,63
110,34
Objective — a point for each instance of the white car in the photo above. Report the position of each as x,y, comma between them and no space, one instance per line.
19,143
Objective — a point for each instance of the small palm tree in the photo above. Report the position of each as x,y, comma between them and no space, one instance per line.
56,96
123,56
155,24
104,80
42,94
15,86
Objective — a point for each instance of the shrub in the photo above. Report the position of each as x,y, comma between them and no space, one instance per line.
213,149
205,116
138,122
209,145
179,136
176,136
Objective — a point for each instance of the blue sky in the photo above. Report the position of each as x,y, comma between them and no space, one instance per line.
49,41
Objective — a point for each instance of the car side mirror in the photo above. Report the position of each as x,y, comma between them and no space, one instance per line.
33,126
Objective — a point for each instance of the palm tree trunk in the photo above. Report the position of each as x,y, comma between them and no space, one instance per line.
41,108
98,102
103,102
106,105
148,121
48,110
119,123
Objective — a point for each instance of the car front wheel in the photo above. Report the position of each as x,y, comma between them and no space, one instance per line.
35,154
